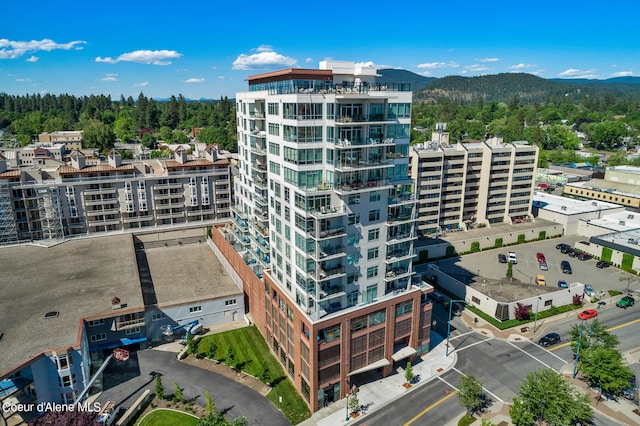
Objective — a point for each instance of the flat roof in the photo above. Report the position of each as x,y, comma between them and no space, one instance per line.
569,206
618,222
77,278
627,241
602,185
186,273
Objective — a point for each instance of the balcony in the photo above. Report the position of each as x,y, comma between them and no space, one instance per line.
398,255
404,218
397,273
328,211
363,142
329,253
347,164
396,238
103,190
359,118
331,292
124,325
358,186
327,274
339,231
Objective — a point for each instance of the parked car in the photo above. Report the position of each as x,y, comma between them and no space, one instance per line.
549,339
565,250
502,258
602,264
540,280
563,246
563,284
630,391
541,257
625,302
572,253
512,257
587,314
588,290
544,266
583,256
566,267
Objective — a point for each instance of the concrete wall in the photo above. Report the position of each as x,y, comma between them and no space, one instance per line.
616,256
439,250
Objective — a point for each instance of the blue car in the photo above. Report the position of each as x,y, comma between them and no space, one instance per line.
563,284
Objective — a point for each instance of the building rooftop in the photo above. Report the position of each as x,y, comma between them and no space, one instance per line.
569,206
618,222
626,169
171,265
77,279
609,186
627,241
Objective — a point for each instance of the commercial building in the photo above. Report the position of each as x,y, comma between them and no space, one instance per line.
621,185
52,200
63,314
470,184
324,225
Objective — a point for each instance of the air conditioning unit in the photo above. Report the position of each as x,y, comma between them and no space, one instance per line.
622,223
630,216
563,208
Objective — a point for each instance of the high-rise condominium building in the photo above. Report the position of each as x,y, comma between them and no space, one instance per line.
325,214
468,184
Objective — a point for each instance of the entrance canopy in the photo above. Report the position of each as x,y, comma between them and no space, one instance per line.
378,364
403,353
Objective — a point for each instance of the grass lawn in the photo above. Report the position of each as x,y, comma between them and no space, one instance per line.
163,417
250,353
466,420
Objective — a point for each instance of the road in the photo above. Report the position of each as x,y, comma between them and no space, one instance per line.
500,365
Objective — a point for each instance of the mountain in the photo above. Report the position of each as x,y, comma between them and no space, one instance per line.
416,81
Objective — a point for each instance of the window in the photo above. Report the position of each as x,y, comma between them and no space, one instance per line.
377,318
352,299
157,316
132,330
66,380
194,309
353,219
373,253
404,308
374,234
274,148
374,215
372,291
95,323
374,196
359,323
99,337
372,272
64,361
273,108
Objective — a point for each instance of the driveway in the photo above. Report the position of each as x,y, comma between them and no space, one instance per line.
234,398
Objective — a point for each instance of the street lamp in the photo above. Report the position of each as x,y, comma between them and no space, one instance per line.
346,419
575,364
535,321
449,322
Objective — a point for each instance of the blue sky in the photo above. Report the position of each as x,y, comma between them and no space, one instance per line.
207,48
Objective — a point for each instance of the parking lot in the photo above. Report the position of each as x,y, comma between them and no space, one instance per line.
485,265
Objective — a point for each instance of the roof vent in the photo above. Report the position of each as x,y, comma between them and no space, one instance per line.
563,208
633,241
593,203
622,223
51,314
630,216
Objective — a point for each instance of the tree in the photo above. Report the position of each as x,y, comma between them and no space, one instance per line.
519,414
211,352
604,367
211,405
509,269
159,387
191,344
594,334
521,312
545,395
408,373
177,393
124,128
609,133
148,140
96,134
354,402
470,393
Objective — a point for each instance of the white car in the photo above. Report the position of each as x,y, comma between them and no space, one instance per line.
511,257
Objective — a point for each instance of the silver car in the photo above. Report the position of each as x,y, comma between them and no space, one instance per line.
544,266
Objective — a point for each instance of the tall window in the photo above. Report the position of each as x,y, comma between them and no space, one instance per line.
371,293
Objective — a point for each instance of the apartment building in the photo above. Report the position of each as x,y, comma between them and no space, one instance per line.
470,184
325,215
54,200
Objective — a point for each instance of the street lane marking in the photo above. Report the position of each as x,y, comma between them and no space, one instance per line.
447,383
562,345
473,344
431,407
529,355
486,390
548,350
461,335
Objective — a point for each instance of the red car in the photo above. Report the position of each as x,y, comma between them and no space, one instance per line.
588,314
541,257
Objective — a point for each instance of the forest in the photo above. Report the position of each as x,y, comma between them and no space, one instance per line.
602,121
102,120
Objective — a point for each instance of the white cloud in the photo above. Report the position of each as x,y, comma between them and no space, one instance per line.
110,77
576,73
153,57
10,49
23,80
622,74
142,84
487,59
436,65
522,66
264,48
265,58
32,59
308,60
194,80
476,68
222,78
